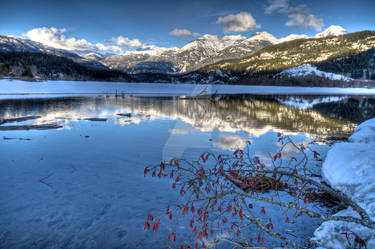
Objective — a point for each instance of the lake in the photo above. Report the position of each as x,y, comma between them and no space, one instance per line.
82,185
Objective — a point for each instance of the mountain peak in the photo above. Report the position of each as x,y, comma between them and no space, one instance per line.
293,37
333,30
263,36
93,56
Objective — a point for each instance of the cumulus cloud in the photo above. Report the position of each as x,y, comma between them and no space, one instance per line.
280,6
126,42
240,22
301,17
298,16
181,33
55,37
113,48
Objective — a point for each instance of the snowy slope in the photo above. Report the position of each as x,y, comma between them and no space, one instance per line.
93,56
333,30
350,167
293,37
309,70
204,50
17,44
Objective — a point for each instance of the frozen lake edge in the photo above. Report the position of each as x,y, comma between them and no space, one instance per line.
10,89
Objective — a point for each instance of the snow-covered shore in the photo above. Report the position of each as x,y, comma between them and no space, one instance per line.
23,89
350,168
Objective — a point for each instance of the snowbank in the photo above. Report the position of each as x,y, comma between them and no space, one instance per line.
308,70
350,168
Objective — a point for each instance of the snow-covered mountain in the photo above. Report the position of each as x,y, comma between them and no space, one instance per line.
293,37
246,47
350,54
205,50
333,30
17,44
139,61
210,53
93,56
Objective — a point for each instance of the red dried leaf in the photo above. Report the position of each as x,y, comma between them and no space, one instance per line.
316,155
145,171
263,210
224,220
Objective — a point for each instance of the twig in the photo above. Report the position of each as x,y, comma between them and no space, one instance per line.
42,180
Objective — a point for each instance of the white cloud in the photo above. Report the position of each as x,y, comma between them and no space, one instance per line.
280,6
56,38
113,48
183,33
301,17
240,22
126,42
298,16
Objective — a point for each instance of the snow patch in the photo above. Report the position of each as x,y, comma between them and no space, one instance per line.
309,70
293,37
350,168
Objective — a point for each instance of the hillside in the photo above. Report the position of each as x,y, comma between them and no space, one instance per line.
203,51
17,44
41,66
350,54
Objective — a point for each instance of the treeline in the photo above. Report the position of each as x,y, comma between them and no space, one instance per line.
46,66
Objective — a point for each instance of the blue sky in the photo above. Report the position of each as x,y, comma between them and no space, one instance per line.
151,22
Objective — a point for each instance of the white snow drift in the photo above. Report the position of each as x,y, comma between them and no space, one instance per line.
350,168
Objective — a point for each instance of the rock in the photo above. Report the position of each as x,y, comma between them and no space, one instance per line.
30,127
96,119
20,119
124,114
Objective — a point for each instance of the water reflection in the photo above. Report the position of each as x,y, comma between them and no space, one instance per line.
97,196
256,115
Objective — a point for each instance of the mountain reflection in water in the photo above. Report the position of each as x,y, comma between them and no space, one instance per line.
252,114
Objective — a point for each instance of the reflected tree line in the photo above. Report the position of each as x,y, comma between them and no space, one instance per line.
227,113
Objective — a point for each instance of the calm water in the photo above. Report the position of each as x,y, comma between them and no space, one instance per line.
82,186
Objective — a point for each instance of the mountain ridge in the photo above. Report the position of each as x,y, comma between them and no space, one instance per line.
211,59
